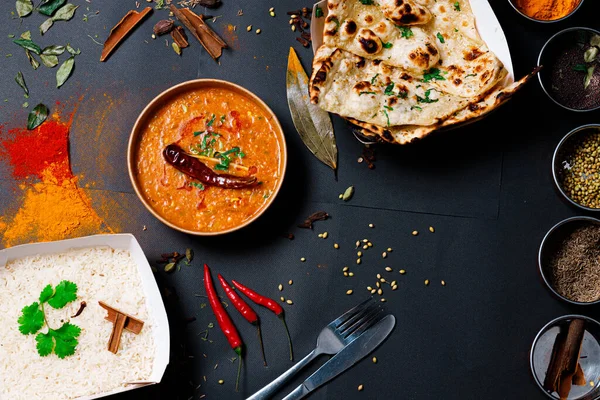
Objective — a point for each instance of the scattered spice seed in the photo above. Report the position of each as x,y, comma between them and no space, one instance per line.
280,287
374,360
348,193
349,292
290,282
389,249
377,284
591,383
383,300
378,276
341,196
394,287
443,283
325,234
431,229
272,14
373,291
358,261
303,259
359,253
282,299
384,254
221,381
336,246
360,388
289,302
426,282
365,240
382,280
258,31
393,283
388,269
320,235
365,247
402,272
370,244
350,273
345,269
369,288
345,274
379,291
371,226
415,233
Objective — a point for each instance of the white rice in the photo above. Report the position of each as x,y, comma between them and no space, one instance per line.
100,273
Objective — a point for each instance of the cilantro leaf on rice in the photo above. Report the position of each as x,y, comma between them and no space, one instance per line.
66,341
46,294
65,293
31,319
45,343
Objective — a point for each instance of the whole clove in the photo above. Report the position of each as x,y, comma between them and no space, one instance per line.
81,308
318,216
303,41
163,27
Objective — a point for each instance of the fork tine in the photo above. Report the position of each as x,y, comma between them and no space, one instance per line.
356,317
365,325
348,314
357,324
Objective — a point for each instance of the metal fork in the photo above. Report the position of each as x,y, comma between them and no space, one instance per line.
334,337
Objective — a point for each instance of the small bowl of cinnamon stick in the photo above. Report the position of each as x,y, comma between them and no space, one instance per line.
569,260
565,358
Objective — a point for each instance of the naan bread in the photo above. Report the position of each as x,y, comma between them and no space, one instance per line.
376,93
448,41
474,111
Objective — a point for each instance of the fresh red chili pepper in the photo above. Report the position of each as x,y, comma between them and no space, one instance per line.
244,309
224,320
195,168
268,303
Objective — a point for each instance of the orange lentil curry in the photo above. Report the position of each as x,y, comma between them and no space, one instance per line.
228,132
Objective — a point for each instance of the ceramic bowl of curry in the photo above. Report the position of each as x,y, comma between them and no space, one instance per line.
207,157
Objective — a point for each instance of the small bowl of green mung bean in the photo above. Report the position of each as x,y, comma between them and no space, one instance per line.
576,167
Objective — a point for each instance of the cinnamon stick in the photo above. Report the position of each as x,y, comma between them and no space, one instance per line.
179,37
120,321
122,29
564,369
213,44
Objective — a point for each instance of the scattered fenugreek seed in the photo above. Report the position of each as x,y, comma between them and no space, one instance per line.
320,235
293,16
592,383
358,260
153,36
378,276
349,292
369,288
426,282
402,272
394,287
380,291
271,9
382,300
294,30
382,280
371,226
325,234
221,381
258,31
336,246
431,229
370,244
344,269
290,282
388,269
289,302
365,240
280,287
303,259
389,250
359,253
377,284
443,283
360,388
341,196
291,21
282,298
374,360
393,283
345,274
384,254
272,14
415,233
249,28
360,160
365,247
373,291
357,244
350,273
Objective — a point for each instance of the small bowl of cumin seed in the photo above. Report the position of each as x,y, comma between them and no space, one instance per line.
571,69
569,260
576,167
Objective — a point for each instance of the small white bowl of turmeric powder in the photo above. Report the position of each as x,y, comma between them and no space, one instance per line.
546,10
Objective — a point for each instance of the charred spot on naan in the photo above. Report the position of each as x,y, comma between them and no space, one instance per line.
473,53
369,41
350,27
363,87
420,58
405,12
319,76
332,25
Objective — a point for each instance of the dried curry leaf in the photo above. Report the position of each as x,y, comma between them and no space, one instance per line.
53,50
65,71
24,7
318,216
65,13
21,82
37,116
73,51
48,7
122,29
49,60
47,24
34,63
312,123
27,44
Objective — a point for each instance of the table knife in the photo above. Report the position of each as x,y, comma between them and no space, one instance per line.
346,358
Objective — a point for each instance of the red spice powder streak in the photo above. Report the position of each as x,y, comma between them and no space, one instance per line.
31,152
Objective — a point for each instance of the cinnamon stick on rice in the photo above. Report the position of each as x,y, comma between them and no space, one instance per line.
213,44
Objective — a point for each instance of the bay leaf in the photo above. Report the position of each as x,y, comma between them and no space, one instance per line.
34,63
312,123
21,82
28,45
53,50
72,50
37,116
49,60
24,7
65,13
64,71
46,25
48,7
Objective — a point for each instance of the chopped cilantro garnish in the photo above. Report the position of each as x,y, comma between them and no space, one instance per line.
225,160
440,37
337,23
387,45
361,93
198,133
387,117
457,6
197,185
402,94
367,2
416,108
373,79
318,12
580,68
406,31
426,99
466,76
432,73
388,108
222,118
455,30
212,120
389,89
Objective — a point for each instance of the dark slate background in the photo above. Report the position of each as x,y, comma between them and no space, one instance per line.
486,188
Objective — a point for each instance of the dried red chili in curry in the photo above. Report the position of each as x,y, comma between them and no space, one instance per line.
227,131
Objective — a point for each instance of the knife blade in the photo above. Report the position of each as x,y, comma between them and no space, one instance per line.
345,358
